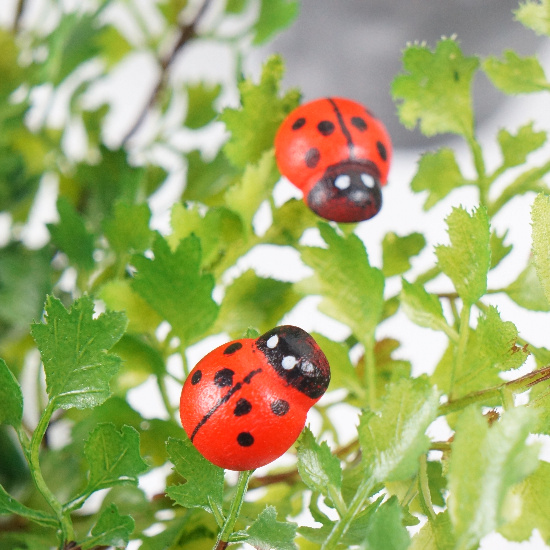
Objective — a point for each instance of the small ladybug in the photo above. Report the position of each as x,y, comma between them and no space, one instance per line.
245,403
338,153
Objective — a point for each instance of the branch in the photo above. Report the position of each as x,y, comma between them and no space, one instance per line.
187,32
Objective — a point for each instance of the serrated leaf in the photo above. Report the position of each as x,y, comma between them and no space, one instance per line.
484,464
436,534
127,230
516,148
175,287
499,250
436,89
253,127
9,505
421,307
267,533
200,106
204,480
351,288
275,15
257,301
74,350
397,252
71,236
113,457
527,291
439,174
318,467
467,260
540,217
11,397
515,74
535,14
111,529
393,440
386,529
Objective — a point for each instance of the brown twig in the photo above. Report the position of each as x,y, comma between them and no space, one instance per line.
186,33
19,9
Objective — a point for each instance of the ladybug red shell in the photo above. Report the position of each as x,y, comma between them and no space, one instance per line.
245,403
338,153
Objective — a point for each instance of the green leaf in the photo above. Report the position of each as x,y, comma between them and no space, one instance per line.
318,467
386,529
499,250
267,533
111,529
439,174
535,14
257,301
113,44
486,461
540,217
11,70
515,74
203,480
9,505
467,260
516,148
423,308
352,290
174,286
436,534
436,89
397,252
393,440
491,350
200,107
253,127
127,230
74,349
113,457
71,236
530,497
527,291
11,397
235,6
275,15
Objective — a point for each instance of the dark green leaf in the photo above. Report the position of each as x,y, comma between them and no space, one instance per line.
267,533
9,505
275,15
174,286
111,529
127,230
516,148
397,252
11,397
385,529
113,457
74,349
204,480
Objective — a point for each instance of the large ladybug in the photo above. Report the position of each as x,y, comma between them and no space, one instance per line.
338,153
245,403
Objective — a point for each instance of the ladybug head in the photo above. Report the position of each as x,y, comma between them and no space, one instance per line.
348,192
297,358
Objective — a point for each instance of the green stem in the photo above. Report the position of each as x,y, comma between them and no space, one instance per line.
483,181
340,528
336,496
172,412
369,378
234,511
462,343
424,489
67,532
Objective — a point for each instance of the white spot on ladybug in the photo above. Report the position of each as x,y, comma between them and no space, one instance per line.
368,181
289,362
273,341
343,181
307,367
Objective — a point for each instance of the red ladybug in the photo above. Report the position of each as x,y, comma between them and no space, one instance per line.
245,403
338,153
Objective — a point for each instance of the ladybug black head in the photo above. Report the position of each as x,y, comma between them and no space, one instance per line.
348,192
297,358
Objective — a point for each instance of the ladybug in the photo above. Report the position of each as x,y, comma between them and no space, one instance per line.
245,403
338,153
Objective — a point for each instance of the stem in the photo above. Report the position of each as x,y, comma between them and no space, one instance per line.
172,412
462,343
424,489
236,503
67,532
369,379
336,497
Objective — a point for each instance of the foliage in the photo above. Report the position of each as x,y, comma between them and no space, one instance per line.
107,302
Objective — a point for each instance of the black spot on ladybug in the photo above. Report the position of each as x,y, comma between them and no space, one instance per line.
196,378
312,158
280,407
298,123
245,439
359,123
382,150
242,407
232,348
223,378
325,127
